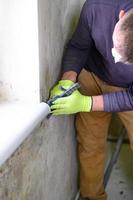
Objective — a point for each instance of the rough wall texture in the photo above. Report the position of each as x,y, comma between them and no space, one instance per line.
57,21
45,166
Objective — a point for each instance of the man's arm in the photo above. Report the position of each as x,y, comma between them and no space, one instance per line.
119,101
98,103
109,102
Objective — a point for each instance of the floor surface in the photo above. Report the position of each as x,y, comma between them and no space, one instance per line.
120,185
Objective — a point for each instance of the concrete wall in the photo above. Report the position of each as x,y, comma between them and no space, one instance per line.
45,166
57,21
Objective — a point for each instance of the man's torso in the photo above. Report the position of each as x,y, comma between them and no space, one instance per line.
105,14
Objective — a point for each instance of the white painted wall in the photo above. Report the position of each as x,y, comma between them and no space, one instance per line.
19,61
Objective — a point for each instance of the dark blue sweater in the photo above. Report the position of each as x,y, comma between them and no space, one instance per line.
90,48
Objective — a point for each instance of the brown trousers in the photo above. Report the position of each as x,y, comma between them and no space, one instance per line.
92,130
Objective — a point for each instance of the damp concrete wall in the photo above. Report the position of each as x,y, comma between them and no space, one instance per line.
45,165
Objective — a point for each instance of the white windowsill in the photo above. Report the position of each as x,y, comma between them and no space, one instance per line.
17,121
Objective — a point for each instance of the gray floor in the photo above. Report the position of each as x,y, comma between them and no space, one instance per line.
120,185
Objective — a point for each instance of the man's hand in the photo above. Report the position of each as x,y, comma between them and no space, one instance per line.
68,79
74,103
70,75
61,84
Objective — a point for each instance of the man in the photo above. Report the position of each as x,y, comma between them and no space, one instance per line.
100,57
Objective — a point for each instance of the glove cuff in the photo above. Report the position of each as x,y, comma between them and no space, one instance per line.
88,102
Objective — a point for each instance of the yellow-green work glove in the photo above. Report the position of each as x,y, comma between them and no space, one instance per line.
74,103
57,88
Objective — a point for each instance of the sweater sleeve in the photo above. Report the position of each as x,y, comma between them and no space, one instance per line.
78,48
119,101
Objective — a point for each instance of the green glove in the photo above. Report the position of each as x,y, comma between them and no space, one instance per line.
57,88
74,103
